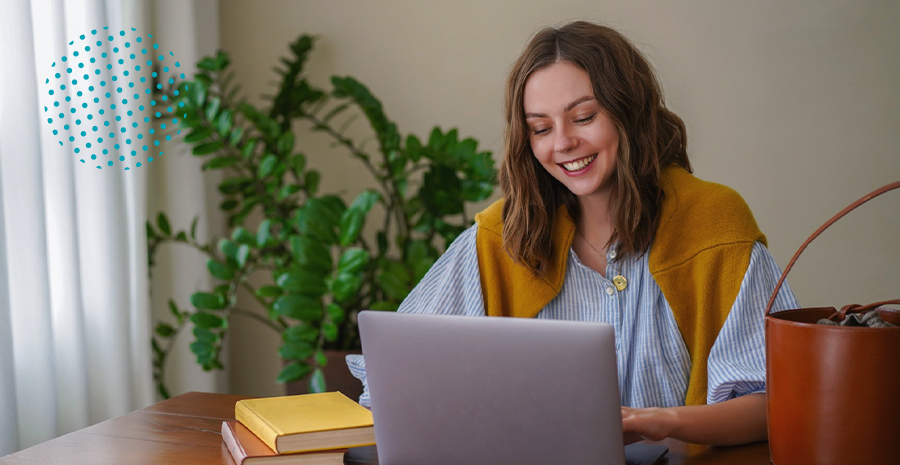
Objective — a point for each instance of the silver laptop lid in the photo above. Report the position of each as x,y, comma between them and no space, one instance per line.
479,390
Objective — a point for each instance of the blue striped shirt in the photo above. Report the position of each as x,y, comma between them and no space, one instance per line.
653,361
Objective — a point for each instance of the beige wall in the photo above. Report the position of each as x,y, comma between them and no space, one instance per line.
794,104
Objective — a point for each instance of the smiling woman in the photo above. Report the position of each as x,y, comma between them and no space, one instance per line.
603,221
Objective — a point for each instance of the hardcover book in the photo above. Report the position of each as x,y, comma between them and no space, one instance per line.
247,449
307,422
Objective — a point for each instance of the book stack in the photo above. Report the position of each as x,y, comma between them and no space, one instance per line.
309,429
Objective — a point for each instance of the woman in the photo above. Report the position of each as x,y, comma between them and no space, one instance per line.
602,221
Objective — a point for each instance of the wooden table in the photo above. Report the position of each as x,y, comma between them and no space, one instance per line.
186,429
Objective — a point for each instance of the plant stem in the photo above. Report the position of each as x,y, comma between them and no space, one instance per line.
364,157
265,321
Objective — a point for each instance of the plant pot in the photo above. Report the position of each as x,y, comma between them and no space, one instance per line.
337,377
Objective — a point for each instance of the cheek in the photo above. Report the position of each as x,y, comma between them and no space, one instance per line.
539,149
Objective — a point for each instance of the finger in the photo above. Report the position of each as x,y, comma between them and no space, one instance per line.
629,438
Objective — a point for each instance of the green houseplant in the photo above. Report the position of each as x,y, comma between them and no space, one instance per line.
320,270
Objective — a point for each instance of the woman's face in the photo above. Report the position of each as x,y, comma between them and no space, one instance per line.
570,134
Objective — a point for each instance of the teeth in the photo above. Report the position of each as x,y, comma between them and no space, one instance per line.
577,165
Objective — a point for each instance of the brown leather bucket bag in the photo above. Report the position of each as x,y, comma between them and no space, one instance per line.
833,392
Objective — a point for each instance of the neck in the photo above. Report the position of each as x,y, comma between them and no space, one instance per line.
595,222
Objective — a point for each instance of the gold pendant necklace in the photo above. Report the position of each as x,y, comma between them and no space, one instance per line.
618,280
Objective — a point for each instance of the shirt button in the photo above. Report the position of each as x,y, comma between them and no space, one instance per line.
612,253
610,290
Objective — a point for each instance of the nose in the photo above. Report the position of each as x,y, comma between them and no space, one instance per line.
565,139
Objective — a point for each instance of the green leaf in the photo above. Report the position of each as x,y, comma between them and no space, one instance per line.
345,286
208,64
247,151
242,254
207,148
441,191
236,135
296,350
229,249
163,392
151,234
353,260
298,162
223,272
203,350
302,332
419,258
293,372
311,181
330,330
207,301
335,313
300,281
234,185
223,122
156,348
205,335
476,191
353,219
288,190
163,222
198,93
212,108
298,307
413,148
317,382
228,205
320,217
388,137
269,291
198,135
384,306
267,165
394,280
207,320
285,143
173,309
194,227
165,330
321,358
382,241
311,254
220,162
242,236
262,234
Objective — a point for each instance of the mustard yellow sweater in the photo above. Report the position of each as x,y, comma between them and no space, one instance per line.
700,253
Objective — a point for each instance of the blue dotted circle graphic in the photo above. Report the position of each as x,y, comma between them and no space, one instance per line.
112,88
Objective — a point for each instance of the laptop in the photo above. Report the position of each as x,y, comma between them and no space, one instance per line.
450,390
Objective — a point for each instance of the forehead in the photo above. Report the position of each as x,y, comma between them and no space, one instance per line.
553,87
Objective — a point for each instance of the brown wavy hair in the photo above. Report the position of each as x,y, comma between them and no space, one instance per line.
650,138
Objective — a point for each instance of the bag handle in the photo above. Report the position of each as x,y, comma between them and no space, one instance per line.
851,207
856,308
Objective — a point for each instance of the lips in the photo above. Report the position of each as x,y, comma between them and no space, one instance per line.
579,164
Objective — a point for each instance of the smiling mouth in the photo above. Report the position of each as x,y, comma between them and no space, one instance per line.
578,164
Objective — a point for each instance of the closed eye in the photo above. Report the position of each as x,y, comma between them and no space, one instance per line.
586,119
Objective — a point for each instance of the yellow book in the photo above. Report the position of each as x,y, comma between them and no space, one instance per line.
307,422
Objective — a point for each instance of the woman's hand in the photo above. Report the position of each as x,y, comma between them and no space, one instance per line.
654,424
737,421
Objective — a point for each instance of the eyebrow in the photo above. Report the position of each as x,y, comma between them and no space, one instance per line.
570,106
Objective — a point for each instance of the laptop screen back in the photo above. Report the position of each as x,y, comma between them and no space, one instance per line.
478,390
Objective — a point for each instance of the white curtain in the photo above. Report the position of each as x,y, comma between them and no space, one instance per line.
75,312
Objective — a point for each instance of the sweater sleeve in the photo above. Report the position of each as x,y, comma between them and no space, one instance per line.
737,361
451,287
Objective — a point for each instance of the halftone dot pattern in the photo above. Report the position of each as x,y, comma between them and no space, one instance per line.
109,74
